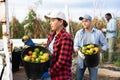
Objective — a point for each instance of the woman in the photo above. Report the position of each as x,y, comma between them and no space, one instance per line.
61,46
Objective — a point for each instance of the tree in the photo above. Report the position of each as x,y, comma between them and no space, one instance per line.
74,27
16,29
28,22
35,27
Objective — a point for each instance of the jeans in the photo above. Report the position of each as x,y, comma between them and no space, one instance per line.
93,72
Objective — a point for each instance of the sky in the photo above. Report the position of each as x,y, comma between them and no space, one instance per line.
76,8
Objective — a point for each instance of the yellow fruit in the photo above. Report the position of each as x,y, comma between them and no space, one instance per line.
27,58
92,49
90,52
47,58
25,38
42,57
88,46
96,49
32,59
92,45
42,61
34,56
46,54
87,52
83,51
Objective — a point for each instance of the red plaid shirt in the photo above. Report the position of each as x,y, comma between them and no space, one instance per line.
62,56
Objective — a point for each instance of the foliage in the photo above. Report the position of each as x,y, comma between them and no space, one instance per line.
35,27
116,59
28,22
117,62
16,28
119,34
99,23
105,56
74,27
31,15
46,25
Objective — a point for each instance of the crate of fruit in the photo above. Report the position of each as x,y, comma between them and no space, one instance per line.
91,53
36,61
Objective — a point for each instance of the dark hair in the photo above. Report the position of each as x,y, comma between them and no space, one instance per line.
64,22
108,14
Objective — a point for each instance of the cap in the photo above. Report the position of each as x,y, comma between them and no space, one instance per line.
86,17
56,14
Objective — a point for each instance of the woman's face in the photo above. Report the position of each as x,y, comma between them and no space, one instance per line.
55,24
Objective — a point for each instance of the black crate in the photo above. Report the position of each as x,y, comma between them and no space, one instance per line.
92,60
35,70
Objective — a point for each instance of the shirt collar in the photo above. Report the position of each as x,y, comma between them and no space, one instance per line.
93,30
60,33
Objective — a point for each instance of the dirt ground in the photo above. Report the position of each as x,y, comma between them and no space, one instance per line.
105,71
103,74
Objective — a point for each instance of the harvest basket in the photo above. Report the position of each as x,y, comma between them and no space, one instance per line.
35,70
93,59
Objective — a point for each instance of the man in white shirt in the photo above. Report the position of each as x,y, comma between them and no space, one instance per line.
111,35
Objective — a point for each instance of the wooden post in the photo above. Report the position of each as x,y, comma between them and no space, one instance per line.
67,18
7,75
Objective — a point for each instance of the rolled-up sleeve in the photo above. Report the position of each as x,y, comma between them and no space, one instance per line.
76,41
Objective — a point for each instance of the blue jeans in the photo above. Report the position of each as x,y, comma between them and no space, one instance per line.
93,72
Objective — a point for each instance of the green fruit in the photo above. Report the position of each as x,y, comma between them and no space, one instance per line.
35,53
37,60
41,53
84,48
36,50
